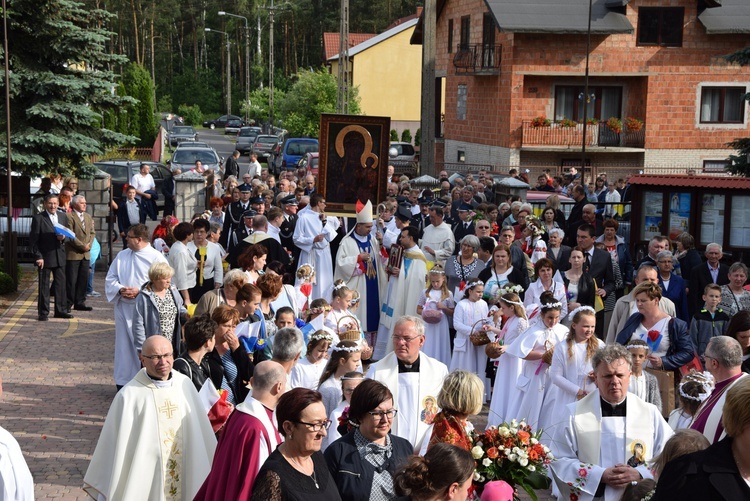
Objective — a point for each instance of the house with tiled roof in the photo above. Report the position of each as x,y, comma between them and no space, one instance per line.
660,93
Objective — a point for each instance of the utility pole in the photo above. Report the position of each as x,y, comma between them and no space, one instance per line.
270,67
342,103
247,58
229,72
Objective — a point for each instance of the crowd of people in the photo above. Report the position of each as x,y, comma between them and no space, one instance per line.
267,339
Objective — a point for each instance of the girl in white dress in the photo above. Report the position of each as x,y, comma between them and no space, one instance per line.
535,348
348,383
307,371
437,297
508,366
345,358
695,387
571,372
340,319
469,311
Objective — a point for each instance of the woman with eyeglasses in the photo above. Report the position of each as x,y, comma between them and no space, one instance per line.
297,470
364,461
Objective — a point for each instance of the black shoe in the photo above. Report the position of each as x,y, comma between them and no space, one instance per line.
83,307
63,315
42,318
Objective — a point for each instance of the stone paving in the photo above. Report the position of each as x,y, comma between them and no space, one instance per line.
58,386
57,382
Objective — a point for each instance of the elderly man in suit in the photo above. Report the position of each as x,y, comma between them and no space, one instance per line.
710,272
78,253
47,247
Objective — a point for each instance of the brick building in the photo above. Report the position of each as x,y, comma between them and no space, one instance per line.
499,64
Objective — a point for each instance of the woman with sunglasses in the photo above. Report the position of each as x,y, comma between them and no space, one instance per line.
364,461
302,420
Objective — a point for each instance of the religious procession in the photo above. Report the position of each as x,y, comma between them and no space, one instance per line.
269,349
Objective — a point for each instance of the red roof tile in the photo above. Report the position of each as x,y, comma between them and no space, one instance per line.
685,181
331,42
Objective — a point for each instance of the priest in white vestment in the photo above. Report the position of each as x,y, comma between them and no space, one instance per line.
157,442
16,482
359,263
313,235
414,379
405,285
248,438
438,241
608,436
126,275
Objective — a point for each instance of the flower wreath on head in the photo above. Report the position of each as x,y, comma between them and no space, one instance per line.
508,288
350,349
550,306
339,286
302,272
537,228
587,308
321,335
705,379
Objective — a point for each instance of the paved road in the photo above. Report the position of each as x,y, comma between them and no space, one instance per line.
58,386
57,381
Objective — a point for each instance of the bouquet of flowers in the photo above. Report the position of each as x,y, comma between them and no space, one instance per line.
512,452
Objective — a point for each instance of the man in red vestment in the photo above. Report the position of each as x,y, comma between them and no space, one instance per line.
249,437
723,360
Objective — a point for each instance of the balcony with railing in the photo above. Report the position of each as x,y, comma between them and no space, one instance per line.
570,134
478,59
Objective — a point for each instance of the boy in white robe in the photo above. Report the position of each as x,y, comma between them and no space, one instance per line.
313,235
127,273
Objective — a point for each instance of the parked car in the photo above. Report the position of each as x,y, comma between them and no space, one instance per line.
184,158
245,139
194,144
309,162
264,145
122,171
221,121
405,155
233,126
293,150
182,133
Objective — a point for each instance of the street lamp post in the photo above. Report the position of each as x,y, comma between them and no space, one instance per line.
247,58
229,74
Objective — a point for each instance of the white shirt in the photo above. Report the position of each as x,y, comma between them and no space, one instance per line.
143,183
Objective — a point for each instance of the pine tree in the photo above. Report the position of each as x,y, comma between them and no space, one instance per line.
61,82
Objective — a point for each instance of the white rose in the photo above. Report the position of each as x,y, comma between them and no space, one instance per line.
486,462
507,452
516,450
512,458
477,452
477,476
531,468
503,431
513,423
534,441
523,461
545,449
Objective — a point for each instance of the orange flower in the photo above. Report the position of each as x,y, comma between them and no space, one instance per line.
533,455
492,452
524,436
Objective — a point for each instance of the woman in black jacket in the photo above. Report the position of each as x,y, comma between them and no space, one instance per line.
364,461
230,367
578,284
199,342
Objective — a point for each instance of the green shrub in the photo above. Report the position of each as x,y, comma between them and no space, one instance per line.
418,138
7,285
191,114
2,267
394,135
406,136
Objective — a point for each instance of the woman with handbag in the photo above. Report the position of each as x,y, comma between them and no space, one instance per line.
435,305
468,320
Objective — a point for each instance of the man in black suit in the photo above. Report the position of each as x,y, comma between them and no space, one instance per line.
575,219
237,238
231,167
598,264
49,250
129,213
233,217
465,226
710,272
169,190
421,220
